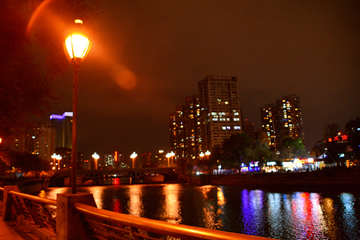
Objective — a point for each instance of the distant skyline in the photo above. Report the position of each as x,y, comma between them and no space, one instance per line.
148,56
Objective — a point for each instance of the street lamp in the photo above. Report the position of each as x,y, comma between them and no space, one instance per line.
172,154
168,156
77,46
58,158
96,158
133,156
53,157
207,154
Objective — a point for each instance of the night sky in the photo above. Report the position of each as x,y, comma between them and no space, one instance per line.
147,56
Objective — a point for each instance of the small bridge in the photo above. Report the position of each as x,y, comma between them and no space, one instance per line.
135,174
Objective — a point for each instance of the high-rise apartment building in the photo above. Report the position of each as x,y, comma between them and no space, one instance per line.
63,129
184,129
219,110
206,120
38,140
282,119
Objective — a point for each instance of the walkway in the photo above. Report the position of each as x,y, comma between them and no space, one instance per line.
11,231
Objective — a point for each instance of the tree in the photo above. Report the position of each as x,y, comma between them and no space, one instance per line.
332,148
184,165
293,148
352,129
24,161
331,130
234,150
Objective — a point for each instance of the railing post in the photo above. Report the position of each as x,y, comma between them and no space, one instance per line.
68,223
7,202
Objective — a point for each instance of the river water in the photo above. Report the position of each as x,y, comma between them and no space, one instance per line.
278,214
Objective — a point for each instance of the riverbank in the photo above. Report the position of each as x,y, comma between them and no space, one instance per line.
332,177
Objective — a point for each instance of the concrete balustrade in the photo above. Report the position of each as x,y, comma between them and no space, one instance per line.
69,226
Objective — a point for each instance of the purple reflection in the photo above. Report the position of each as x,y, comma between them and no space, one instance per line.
252,208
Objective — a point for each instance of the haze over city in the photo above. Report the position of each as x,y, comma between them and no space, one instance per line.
147,56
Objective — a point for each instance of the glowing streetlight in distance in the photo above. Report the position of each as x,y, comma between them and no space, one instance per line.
168,156
133,156
58,157
96,157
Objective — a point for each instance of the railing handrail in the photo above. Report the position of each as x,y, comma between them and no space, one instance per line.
33,198
159,227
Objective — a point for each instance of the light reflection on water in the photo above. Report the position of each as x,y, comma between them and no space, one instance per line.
171,206
281,215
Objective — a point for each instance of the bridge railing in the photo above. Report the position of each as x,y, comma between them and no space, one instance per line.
75,216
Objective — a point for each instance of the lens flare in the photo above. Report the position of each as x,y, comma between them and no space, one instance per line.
125,78
48,14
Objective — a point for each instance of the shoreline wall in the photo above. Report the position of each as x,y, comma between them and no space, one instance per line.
328,177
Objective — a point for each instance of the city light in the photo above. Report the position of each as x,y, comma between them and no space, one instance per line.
133,156
96,158
56,157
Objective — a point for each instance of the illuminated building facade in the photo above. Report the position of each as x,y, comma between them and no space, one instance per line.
282,119
184,129
206,120
38,140
113,161
220,115
63,129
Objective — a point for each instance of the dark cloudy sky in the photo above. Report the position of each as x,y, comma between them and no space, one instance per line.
147,56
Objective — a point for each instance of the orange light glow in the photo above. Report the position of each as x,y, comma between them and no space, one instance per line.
125,78
78,45
116,156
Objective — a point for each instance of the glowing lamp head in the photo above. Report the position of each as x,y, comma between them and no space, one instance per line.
95,156
77,44
133,155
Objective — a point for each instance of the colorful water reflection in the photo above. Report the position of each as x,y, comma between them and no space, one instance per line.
280,215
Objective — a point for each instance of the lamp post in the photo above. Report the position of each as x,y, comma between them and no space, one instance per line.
58,158
207,154
53,157
133,156
172,154
77,46
96,158
168,156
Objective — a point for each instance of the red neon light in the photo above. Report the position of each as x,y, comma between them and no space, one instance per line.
116,156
